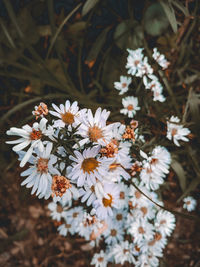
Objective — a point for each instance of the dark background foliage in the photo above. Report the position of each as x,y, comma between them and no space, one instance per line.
54,50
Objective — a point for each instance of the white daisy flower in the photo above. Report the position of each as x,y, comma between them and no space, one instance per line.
88,166
119,216
94,129
66,228
123,85
160,59
103,207
134,61
99,259
123,196
176,131
160,159
150,177
189,203
165,222
57,211
67,115
30,136
123,252
40,173
114,234
141,230
75,216
130,104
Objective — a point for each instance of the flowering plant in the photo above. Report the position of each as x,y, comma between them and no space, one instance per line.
102,183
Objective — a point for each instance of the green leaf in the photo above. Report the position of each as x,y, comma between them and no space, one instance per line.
169,11
53,40
155,20
178,169
89,4
128,34
98,44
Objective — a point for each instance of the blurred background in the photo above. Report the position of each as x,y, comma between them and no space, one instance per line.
51,51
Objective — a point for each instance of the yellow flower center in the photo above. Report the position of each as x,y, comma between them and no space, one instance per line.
95,133
107,202
89,165
35,135
42,165
67,117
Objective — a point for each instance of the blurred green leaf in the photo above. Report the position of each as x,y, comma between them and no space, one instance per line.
178,169
55,36
155,20
98,44
128,34
169,11
89,4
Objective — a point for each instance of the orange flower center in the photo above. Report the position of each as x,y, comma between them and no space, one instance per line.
141,230
137,194
95,133
124,85
119,217
67,117
130,107
107,202
100,259
68,225
174,131
35,135
122,195
42,165
154,161
143,210
59,209
89,165
113,232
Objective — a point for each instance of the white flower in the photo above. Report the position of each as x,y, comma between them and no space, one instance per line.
94,129
123,85
160,159
141,230
165,222
67,114
74,216
160,59
103,207
150,177
66,228
99,259
176,131
40,174
130,104
114,234
57,211
123,252
88,167
189,203
30,136
134,61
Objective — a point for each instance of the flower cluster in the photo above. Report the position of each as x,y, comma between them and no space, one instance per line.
138,66
101,188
